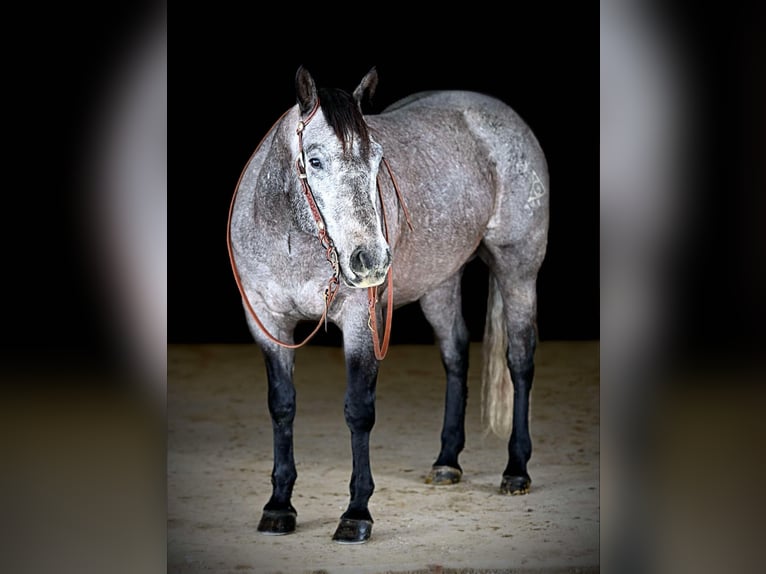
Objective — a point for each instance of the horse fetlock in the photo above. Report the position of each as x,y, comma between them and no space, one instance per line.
283,481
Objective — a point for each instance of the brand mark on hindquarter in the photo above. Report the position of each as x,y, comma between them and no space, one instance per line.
536,192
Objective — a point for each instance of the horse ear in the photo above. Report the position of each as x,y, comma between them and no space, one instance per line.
305,89
366,87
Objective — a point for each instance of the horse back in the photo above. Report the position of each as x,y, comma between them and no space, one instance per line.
471,170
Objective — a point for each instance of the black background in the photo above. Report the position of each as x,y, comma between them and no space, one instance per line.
237,82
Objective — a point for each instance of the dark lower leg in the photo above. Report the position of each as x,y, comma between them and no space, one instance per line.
361,485
362,371
442,308
279,514
516,480
455,360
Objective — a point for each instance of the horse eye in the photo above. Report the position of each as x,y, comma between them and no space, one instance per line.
315,163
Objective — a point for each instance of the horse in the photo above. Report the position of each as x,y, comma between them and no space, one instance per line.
342,216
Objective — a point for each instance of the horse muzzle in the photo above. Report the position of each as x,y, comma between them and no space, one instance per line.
367,268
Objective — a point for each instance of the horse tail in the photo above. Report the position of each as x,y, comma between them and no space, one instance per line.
496,385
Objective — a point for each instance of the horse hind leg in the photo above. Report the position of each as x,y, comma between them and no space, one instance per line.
522,342
442,309
512,299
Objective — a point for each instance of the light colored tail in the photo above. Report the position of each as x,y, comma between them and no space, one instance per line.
496,385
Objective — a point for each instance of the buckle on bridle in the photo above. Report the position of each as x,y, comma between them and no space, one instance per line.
300,165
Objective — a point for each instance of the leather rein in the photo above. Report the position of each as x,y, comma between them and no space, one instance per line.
333,283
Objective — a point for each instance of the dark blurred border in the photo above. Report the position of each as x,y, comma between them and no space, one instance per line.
682,241
682,308
82,359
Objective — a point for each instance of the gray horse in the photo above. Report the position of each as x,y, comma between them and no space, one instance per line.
342,217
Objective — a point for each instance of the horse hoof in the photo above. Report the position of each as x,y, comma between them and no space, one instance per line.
440,475
515,485
277,522
353,531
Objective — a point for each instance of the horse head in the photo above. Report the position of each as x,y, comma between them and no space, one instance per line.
340,160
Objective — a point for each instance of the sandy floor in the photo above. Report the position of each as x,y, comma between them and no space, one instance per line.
220,456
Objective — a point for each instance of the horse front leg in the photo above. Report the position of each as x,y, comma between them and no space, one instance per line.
362,372
279,516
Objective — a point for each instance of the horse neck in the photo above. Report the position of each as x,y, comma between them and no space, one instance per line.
394,213
278,202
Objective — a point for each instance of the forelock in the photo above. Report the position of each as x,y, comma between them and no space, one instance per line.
343,115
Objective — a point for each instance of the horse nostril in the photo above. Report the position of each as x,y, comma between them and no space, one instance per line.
361,261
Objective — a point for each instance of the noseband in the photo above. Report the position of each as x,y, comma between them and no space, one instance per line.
333,284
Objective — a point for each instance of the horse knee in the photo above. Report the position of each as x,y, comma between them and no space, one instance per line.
360,415
282,411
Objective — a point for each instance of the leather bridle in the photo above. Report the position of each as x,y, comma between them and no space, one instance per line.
333,284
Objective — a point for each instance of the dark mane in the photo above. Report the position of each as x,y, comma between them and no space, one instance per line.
343,115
